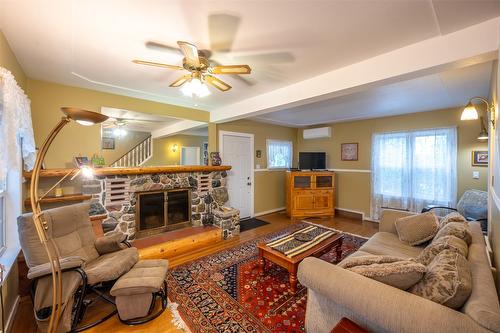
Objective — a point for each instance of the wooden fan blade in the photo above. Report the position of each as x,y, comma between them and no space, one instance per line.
156,64
231,69
190,51
180,81
219,84
162,47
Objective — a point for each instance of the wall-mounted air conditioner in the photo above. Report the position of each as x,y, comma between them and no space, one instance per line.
317,133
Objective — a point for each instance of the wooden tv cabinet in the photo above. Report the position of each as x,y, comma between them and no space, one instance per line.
310,194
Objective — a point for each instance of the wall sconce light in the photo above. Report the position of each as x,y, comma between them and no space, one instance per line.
174,147
483,135
470,113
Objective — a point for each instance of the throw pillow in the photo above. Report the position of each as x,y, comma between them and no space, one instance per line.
448,280
457,229
393,271
450,242
452,217
417,229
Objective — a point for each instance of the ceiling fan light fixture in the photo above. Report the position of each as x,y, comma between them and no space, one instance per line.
119,132
195,87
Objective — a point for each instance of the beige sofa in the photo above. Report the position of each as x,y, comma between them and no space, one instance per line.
334,292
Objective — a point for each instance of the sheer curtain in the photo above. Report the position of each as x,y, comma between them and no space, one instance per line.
16,130
279,154
413,169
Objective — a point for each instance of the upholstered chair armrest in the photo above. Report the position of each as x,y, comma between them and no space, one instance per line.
45,269
373,304
111,243
388,217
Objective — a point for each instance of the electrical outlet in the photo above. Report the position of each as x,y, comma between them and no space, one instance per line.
475,174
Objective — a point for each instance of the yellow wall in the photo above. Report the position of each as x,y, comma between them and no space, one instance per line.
47,98
353,188
123,145
9,61
269,186
162,149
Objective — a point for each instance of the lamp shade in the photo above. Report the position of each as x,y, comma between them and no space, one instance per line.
483,136
469,112
84,117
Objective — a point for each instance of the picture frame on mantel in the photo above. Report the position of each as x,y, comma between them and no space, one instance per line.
349,151
479,158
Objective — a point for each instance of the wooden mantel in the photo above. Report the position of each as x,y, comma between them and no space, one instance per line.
135,171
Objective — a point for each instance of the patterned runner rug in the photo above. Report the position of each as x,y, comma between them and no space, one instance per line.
225,292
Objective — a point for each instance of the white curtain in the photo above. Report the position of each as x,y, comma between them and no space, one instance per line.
279,154
413,169
16,129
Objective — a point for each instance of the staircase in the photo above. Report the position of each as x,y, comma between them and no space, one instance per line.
137,156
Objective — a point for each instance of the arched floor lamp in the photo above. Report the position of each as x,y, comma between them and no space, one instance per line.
83,117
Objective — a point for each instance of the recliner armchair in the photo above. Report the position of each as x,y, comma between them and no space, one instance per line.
473,205
87,263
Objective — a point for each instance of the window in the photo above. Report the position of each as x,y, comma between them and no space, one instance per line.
413,169
2,216
279,154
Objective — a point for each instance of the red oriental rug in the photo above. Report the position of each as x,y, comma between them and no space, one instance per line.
225,292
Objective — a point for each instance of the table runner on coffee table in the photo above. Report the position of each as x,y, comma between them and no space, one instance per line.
292,247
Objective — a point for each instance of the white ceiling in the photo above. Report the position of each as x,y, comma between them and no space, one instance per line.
438,91
136,121
91,43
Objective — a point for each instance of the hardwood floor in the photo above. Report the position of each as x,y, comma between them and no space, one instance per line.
24,321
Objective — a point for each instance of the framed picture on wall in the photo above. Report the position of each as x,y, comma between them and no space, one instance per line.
479,158
349,151
108,143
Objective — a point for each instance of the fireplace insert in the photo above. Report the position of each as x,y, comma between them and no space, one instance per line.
160,211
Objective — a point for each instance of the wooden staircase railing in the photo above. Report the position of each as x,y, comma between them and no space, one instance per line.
137,156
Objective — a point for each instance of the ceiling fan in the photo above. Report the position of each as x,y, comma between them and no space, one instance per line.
197,63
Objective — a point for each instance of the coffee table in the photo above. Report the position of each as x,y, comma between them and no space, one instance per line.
292,264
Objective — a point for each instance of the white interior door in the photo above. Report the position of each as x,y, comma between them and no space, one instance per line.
190,156
237,151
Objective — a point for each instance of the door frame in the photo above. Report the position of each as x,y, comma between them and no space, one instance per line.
197,154
252,162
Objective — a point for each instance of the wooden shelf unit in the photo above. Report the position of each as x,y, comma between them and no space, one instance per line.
310,194
64,198
134,170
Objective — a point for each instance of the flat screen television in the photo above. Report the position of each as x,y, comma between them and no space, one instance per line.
312,160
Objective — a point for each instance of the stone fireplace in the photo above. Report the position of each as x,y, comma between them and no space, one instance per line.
160,211
169,201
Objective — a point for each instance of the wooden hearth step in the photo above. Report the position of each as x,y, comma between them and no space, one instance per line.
178,242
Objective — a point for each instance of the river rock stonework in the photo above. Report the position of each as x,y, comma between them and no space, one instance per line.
204,188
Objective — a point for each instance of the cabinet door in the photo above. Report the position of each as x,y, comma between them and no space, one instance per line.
302,181
324,181
304,201
323,200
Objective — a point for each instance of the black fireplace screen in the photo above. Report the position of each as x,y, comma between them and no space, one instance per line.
161,211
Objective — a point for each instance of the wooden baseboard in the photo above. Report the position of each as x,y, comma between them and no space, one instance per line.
351,214
269,211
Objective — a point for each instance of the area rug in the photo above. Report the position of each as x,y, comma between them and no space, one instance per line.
251,223
225,292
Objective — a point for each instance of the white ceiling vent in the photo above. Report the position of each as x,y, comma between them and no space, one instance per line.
317,133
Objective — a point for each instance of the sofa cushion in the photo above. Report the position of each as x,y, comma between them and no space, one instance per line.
457,229
448,280
450,242
451,217
394,271
417,229
386,243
